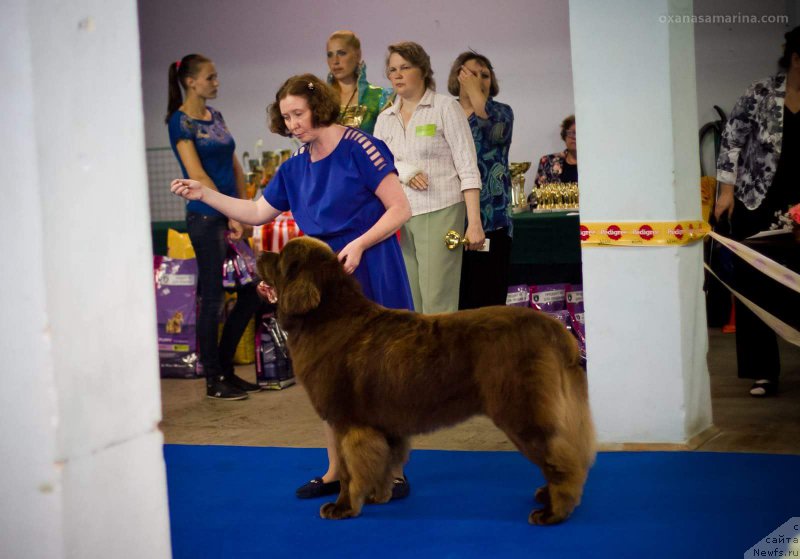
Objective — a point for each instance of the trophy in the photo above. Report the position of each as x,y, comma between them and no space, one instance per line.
518,170
556,196
453,240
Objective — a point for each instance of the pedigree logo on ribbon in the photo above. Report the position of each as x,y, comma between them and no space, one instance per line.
652,233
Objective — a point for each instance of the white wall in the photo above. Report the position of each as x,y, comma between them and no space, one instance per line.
83,472
256,45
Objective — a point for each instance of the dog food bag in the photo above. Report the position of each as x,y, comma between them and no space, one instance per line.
548,298
176,286
561,316
575,328
575,308
229,272
518,296
574,295
243,260
273,366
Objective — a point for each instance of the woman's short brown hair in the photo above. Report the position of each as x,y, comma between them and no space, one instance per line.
322,101
415,55
453,85
566,124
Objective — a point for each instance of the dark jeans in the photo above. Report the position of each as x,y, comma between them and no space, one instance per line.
484,275
207,234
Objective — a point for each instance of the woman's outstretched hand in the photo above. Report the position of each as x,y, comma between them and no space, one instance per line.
187,188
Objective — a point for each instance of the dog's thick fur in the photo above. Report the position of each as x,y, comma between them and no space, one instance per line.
378,376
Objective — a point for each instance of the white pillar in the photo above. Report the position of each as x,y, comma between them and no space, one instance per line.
636,111
83,472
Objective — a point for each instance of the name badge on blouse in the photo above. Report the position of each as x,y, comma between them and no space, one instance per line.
426,130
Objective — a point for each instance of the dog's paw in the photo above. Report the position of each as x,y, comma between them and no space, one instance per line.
332,511
543,495
544,517
379,498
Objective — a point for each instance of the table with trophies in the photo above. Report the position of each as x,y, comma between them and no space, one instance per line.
546,247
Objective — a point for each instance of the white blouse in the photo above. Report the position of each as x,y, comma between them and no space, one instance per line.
438,142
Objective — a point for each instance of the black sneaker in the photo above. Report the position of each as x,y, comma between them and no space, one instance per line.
220,389
242,384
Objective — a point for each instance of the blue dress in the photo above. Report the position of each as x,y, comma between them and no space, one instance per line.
334,200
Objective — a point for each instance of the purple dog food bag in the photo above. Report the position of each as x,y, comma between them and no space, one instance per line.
239,267
273,365
176,289
574,294
518,296
548,298
575,328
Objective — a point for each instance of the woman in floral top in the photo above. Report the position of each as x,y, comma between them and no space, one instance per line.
484,274
759,174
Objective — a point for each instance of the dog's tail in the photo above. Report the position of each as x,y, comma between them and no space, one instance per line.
575,387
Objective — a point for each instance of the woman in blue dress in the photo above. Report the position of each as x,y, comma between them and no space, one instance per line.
342,187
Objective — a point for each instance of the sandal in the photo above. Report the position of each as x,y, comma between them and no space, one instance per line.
763,388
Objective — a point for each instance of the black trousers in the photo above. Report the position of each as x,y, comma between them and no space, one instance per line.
207,234
757,351
484,275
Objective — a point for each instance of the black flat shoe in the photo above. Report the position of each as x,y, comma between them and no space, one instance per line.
317,488
400,488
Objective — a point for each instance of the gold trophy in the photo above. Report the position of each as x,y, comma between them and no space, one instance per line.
453,240
518,200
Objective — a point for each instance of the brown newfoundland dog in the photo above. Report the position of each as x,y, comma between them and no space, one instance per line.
378,376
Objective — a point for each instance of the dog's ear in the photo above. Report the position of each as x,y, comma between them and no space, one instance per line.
267,266
300,295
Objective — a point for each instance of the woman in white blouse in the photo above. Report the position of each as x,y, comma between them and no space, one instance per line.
430,138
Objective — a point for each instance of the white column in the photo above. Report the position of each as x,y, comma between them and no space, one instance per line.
636,111
83,472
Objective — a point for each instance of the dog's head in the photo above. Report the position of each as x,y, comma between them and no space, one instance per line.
299,274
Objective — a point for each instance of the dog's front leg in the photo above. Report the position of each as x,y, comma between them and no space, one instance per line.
341,508
363,463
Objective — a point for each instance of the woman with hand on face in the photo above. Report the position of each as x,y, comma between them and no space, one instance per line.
484,275
205,150
435,156
342,188
360,101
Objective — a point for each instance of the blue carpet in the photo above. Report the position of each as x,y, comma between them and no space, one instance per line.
232,502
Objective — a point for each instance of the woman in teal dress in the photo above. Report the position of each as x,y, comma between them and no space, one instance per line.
342,188
359,101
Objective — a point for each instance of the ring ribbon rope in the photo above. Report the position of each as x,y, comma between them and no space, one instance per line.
769,267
